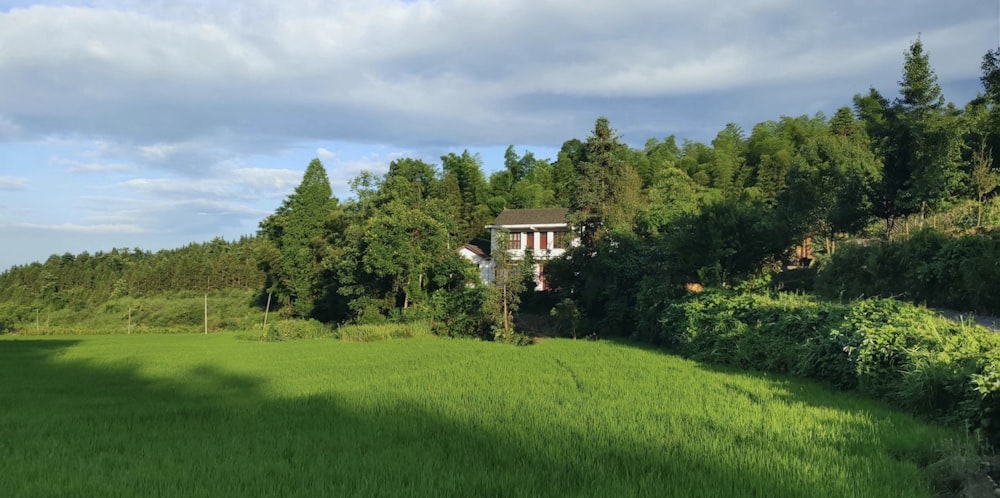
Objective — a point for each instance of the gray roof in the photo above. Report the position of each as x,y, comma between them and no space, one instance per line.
549,216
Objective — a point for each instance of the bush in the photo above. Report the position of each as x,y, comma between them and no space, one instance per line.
461,313
371,333
930,267
891,350
11,316
567,318
296,329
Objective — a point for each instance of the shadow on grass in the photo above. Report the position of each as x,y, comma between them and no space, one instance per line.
80,428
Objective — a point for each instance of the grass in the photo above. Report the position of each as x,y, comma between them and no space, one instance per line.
171,312
214,416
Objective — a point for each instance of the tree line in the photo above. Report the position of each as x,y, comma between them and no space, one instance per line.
648,219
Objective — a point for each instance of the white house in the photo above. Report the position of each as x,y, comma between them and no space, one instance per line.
480,258
545,232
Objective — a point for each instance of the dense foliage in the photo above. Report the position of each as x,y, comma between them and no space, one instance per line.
888,349
929,267
80,290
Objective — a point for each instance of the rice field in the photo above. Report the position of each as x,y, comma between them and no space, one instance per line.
219,415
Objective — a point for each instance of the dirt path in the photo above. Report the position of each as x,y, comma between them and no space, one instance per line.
990,322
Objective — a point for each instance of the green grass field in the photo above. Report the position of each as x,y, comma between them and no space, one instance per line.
219,415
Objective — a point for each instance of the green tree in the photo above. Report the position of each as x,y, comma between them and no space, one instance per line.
607,197
984,179
893,145
475,214
729,157
400,237
509,282
829,188
934,131
917,138
296,231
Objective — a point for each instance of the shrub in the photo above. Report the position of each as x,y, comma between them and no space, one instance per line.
929,267
296,329
891,350
11,316
567,318
372,333
461,313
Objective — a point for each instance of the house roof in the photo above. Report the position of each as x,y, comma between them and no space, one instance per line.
474,249
549,216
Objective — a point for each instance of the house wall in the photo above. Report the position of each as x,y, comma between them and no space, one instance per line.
542,243
543,248
485,265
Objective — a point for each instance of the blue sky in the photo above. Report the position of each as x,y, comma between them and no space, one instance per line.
152,124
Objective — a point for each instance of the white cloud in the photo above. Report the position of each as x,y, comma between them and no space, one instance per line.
13,183
266,179
77,166
170,79
242,183
8,128
84,228
324,154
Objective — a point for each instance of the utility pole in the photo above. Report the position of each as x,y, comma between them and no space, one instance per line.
267,308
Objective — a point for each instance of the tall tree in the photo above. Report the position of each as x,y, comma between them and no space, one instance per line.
892,145
935,130
466,169
918,139
296,231
919,91
607,196
729,157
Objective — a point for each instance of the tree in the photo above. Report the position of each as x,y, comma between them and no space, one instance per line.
729,157
919,89
403,243
829,188
984,179
564,171
723,244
934,132
467,172
892,144
607,195
296,231
509,281
917,139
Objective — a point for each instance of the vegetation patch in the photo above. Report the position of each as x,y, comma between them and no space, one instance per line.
195,415
891,350
929,267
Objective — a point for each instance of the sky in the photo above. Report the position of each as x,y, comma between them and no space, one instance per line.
156,123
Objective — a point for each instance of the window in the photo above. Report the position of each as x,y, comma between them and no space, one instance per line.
515,240
559,240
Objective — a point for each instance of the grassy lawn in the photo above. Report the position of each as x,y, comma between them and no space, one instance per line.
216,415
